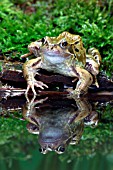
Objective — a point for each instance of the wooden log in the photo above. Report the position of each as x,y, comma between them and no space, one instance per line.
16,79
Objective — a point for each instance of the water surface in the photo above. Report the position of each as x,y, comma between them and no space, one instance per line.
87,123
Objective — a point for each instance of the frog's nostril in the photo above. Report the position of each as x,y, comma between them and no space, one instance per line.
52,47
36,48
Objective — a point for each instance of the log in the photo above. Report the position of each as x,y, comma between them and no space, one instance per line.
16,79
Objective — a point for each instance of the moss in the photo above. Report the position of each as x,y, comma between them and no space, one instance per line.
23,22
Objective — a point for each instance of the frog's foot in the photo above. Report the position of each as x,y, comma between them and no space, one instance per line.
32,84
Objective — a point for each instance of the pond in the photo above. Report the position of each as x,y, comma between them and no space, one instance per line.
56,132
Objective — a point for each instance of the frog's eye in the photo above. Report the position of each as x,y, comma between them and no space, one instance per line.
60,149
96,57
32,128
63,44
73,142
42,150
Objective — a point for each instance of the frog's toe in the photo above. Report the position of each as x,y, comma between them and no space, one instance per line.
40,84
32,85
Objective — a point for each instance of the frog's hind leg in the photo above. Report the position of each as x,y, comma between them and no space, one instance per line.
85,80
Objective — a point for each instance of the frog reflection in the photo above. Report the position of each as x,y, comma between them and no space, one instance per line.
57,125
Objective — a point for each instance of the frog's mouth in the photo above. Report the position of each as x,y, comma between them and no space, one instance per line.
55,56
52,137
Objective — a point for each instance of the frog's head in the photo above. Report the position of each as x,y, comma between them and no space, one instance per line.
57,49
56,138
53,139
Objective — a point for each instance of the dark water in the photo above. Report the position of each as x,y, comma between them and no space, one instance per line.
58,123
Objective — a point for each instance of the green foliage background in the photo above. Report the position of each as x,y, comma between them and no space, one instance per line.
22,22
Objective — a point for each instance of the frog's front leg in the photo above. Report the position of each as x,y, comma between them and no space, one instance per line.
29,72
85,80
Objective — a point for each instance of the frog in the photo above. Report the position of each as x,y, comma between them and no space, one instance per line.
65,55
57,123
